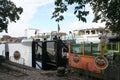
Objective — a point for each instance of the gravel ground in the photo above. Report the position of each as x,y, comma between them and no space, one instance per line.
10,72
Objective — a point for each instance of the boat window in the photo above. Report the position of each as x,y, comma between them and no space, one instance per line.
101,31
97,31
93,31
82,32
87,32
87,48
112,46
76,48
95,49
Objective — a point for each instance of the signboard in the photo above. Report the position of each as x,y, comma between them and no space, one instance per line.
16,55
101,62
76,58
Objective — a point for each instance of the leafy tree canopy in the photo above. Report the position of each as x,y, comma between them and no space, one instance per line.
107,11
8,13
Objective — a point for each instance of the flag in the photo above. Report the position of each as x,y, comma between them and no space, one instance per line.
58,27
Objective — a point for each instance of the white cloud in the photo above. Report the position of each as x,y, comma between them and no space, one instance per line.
29,9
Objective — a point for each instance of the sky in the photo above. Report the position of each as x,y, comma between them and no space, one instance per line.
37,14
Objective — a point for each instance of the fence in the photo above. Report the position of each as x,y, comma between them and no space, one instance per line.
112,72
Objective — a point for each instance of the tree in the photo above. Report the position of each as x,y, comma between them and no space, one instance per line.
107,11
8,13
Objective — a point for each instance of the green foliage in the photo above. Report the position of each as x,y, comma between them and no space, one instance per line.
107,11
8,13
61,7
